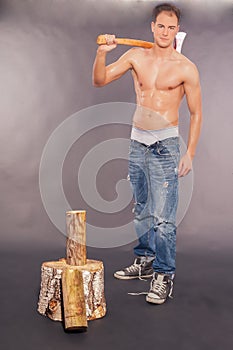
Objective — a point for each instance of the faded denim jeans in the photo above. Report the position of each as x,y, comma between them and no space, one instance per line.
153,174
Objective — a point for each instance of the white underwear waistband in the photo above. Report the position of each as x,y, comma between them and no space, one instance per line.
148,137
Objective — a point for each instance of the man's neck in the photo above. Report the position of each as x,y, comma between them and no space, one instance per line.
163,52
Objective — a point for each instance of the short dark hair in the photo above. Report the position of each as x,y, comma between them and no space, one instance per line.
168,8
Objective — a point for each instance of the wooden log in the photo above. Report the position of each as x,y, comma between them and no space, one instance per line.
73,300
76,241
50,300
72,281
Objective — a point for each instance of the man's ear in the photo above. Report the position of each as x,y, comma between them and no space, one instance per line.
152,26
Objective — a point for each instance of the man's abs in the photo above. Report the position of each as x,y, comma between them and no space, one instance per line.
148,119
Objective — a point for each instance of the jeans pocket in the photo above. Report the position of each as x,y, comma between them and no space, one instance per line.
168,150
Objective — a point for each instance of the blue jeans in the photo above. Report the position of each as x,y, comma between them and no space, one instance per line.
153,173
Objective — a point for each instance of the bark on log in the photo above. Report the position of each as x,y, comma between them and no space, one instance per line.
50,303
73,300
50,289
76,241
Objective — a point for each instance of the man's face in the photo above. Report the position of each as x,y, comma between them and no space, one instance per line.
165,29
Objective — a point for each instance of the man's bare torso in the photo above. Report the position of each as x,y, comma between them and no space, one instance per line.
159,88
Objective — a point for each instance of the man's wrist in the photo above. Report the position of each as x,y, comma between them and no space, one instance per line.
191,154
100,51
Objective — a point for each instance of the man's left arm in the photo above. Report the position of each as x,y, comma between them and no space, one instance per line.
193,95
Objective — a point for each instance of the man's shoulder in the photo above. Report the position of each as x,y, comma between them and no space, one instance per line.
188,68
137,51
186,64
136,55
185,61
188,71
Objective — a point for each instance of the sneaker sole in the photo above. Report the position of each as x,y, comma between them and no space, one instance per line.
131,277
154,300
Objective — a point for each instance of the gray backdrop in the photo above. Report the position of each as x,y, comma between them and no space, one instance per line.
47,49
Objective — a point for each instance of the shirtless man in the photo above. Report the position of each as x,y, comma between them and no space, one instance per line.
162,76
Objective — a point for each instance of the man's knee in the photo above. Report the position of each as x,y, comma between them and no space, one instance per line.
165,227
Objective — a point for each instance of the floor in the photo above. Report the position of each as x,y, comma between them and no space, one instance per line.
199,317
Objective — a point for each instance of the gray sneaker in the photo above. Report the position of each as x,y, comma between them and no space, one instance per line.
141,268
161,288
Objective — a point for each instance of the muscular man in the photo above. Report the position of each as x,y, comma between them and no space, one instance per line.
162,76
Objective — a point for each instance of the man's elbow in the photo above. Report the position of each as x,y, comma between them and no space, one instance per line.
98,82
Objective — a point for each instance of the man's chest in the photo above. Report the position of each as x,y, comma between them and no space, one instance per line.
161,76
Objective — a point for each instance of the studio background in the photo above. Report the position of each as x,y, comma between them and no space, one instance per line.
47,49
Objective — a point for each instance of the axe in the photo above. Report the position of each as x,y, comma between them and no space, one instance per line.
178,42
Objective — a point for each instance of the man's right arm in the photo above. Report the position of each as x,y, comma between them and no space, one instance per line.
103,74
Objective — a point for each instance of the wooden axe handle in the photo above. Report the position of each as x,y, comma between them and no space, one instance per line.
125,41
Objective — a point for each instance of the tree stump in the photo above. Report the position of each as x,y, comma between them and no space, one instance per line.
72,289
50,297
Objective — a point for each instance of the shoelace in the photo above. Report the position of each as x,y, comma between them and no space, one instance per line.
159,288
133,268
136,267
